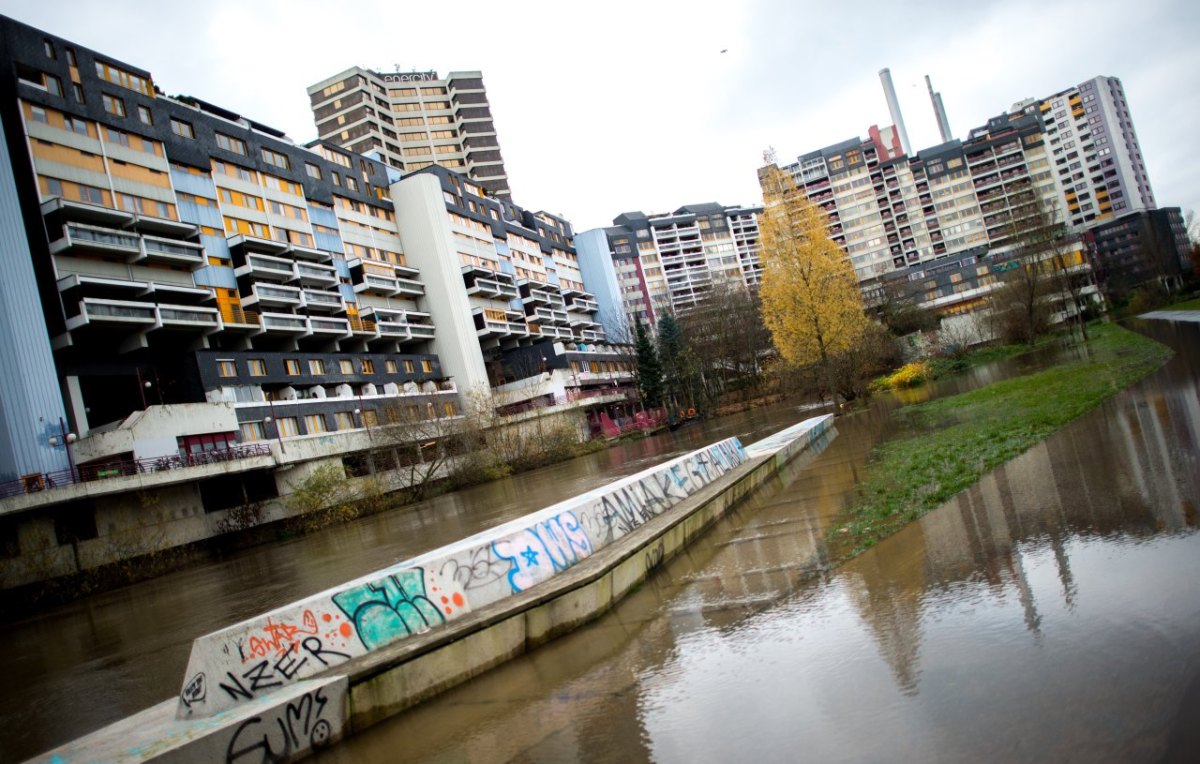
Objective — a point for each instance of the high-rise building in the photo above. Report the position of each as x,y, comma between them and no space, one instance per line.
412,120
1096,153
1072,157
188,293
668,262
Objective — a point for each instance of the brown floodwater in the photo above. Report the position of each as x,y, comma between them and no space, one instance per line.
1050,613
80,666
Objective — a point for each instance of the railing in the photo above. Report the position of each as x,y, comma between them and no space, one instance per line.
87,473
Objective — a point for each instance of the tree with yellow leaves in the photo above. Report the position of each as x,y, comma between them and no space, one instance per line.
810,298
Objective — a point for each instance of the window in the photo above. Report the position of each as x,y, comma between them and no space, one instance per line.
252,431
78,89
351,183
113,105
257,366
409,367
275,158
312,170
182,129
145,116
448,408
38,114
227,368
314,423
392,367
54,187
123,78
287,427
346,366
116,136
337,181
427,366
316,366
229,143
292,367
91,194
345,420
49,48
370,418
368,366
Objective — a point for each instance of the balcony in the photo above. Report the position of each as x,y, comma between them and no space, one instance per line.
325,302
282,323
170,252
309,253
255,244
272,295
100,311
585,304
314,274
327,327
416,288
83,239
186,317
371,283
486,283
267,267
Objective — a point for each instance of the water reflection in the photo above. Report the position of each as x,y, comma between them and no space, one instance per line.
1050,612
94,661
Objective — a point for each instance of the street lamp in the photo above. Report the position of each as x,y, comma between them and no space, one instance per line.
65,439
271,418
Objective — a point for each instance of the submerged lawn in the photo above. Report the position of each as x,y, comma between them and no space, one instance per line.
956,440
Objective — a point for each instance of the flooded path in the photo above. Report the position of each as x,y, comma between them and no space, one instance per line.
1051,612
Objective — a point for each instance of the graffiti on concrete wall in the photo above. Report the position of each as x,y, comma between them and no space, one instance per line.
260,655
536,553
398,605
312,720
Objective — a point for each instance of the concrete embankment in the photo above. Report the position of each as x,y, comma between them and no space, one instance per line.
301,676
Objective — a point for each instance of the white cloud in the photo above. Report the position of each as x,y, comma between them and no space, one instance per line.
602,109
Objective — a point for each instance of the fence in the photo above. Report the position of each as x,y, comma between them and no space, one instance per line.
86,473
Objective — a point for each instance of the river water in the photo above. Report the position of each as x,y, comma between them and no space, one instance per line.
1051,612
78,667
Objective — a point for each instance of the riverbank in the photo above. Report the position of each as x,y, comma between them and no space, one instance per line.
950,443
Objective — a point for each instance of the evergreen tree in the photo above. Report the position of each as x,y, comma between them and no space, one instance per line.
649,372
670,356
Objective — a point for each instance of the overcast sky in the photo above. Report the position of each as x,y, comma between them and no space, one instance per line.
608,107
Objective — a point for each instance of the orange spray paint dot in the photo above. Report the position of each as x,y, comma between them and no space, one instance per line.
445,600
449,610
345,629
458,599
327,617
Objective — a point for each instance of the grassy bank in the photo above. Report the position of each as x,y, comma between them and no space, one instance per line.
951,442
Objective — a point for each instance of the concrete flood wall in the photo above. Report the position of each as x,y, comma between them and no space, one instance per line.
386,641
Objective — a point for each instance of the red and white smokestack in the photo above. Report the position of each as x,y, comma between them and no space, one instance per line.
885,76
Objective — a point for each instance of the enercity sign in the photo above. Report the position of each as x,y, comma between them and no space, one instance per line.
410,77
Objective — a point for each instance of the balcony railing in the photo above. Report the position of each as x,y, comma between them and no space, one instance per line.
45,481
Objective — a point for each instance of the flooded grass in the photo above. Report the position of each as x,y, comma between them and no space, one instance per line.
949,443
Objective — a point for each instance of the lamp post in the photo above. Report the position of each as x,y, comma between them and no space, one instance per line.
65,439
278,435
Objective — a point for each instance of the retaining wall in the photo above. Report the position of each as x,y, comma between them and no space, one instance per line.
412,630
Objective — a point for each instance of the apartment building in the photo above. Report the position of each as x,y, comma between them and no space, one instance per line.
1095,150
667,263
510,280
1138,248
412,120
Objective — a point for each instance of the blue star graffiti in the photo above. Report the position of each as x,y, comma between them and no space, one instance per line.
559,540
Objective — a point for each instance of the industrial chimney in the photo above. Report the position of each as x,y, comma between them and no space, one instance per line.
939,111
885,76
